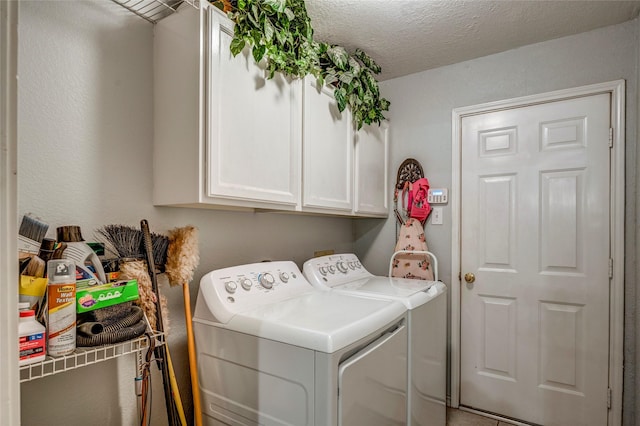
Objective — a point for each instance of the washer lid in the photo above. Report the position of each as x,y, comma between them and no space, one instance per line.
410,292
319,320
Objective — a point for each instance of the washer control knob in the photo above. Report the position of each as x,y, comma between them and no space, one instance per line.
230,286
284,277
332,269
246,283
266,280
323,270
358,264
342,266
352,265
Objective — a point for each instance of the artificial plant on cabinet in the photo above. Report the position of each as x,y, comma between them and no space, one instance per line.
280,32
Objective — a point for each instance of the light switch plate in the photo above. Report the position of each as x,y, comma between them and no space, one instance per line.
436,216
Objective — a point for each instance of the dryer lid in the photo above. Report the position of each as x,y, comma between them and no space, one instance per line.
401,287
412,293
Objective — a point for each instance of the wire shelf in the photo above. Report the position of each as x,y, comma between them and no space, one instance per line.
155,10
85,356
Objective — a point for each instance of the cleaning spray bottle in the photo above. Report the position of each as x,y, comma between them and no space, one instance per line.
61,307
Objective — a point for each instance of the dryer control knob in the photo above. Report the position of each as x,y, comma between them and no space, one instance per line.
342,266
332,269
230,286
266,280
246,283
323,270
284,277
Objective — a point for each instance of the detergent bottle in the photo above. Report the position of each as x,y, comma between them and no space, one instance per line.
80,252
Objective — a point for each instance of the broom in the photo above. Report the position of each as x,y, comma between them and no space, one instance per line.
182,259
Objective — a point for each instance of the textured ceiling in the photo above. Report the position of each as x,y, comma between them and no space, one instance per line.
408,36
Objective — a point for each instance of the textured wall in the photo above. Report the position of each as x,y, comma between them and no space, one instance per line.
85,106
85,145
395,36
421,106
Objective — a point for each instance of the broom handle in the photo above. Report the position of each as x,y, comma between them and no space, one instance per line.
195,387
161,350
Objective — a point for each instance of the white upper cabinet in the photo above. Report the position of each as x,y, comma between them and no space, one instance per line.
327,152
224,134
372,170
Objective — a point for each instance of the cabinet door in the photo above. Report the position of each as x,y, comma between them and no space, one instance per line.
372,171
327,151
253,128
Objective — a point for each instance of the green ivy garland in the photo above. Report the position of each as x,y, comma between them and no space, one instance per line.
280,32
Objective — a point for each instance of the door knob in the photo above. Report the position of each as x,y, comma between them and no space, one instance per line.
469,277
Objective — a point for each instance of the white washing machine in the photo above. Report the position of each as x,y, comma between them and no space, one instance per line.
426,303
272,350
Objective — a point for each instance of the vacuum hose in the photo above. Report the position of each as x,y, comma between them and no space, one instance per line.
96,333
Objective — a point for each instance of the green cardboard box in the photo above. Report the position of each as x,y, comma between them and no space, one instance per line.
90,297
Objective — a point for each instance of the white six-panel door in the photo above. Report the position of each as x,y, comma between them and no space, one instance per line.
535,235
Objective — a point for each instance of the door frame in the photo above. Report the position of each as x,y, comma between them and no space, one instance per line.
616,227
9,375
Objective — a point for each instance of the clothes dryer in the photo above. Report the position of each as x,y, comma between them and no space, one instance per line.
426,303
273,350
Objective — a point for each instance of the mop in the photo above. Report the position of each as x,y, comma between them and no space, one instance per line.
182,260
